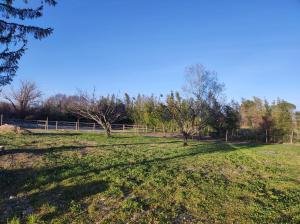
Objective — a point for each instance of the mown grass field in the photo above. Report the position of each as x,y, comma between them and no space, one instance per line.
87,178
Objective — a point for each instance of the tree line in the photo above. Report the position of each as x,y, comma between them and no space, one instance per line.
200,109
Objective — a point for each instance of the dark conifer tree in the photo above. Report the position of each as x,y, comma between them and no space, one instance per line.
15,32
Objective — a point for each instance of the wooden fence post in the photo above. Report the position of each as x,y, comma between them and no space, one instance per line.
292,137
267,136
56,125
1,119
46,124
94,127
123,127
78,126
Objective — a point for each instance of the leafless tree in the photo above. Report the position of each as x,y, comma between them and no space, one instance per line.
204,87
23,98
103,110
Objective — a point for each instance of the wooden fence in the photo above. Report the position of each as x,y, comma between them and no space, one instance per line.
77,126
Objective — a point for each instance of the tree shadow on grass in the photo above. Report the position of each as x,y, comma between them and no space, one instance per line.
19,178
192,151
13,182
60,197
41,151
53,134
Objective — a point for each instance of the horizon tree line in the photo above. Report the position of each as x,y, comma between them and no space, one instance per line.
198,111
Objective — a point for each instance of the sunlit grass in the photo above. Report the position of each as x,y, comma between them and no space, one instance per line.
86,178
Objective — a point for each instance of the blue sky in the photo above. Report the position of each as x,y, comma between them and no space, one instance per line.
140,46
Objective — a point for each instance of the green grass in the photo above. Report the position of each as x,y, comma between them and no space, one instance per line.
87,178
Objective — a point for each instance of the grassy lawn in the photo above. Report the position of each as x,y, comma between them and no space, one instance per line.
87,178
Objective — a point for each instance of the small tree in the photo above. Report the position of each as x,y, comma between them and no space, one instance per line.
183,114
24,98
103,110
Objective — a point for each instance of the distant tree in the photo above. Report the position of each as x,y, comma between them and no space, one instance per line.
24,98
150,115
145,110
252,112
231,118
274,122
138,110
225,118
163,115
14,35
297,122
103,110
204,87
56,107
183,113
129,107
267,122
6,109
284,118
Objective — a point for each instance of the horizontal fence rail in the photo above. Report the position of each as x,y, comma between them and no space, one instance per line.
78,126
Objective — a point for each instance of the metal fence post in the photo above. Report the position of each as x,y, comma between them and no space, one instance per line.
56,125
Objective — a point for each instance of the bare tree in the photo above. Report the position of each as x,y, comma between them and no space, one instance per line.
24,98
204,87
103,110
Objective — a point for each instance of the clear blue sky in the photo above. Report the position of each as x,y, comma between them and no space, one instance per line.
140,46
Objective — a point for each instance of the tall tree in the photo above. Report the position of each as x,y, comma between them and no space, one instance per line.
15,33
206,90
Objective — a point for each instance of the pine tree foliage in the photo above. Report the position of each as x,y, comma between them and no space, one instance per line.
15,32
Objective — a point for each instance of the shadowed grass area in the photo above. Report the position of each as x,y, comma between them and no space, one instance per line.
88,178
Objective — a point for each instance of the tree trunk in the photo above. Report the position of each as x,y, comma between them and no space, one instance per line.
107,128
185,139
108,132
